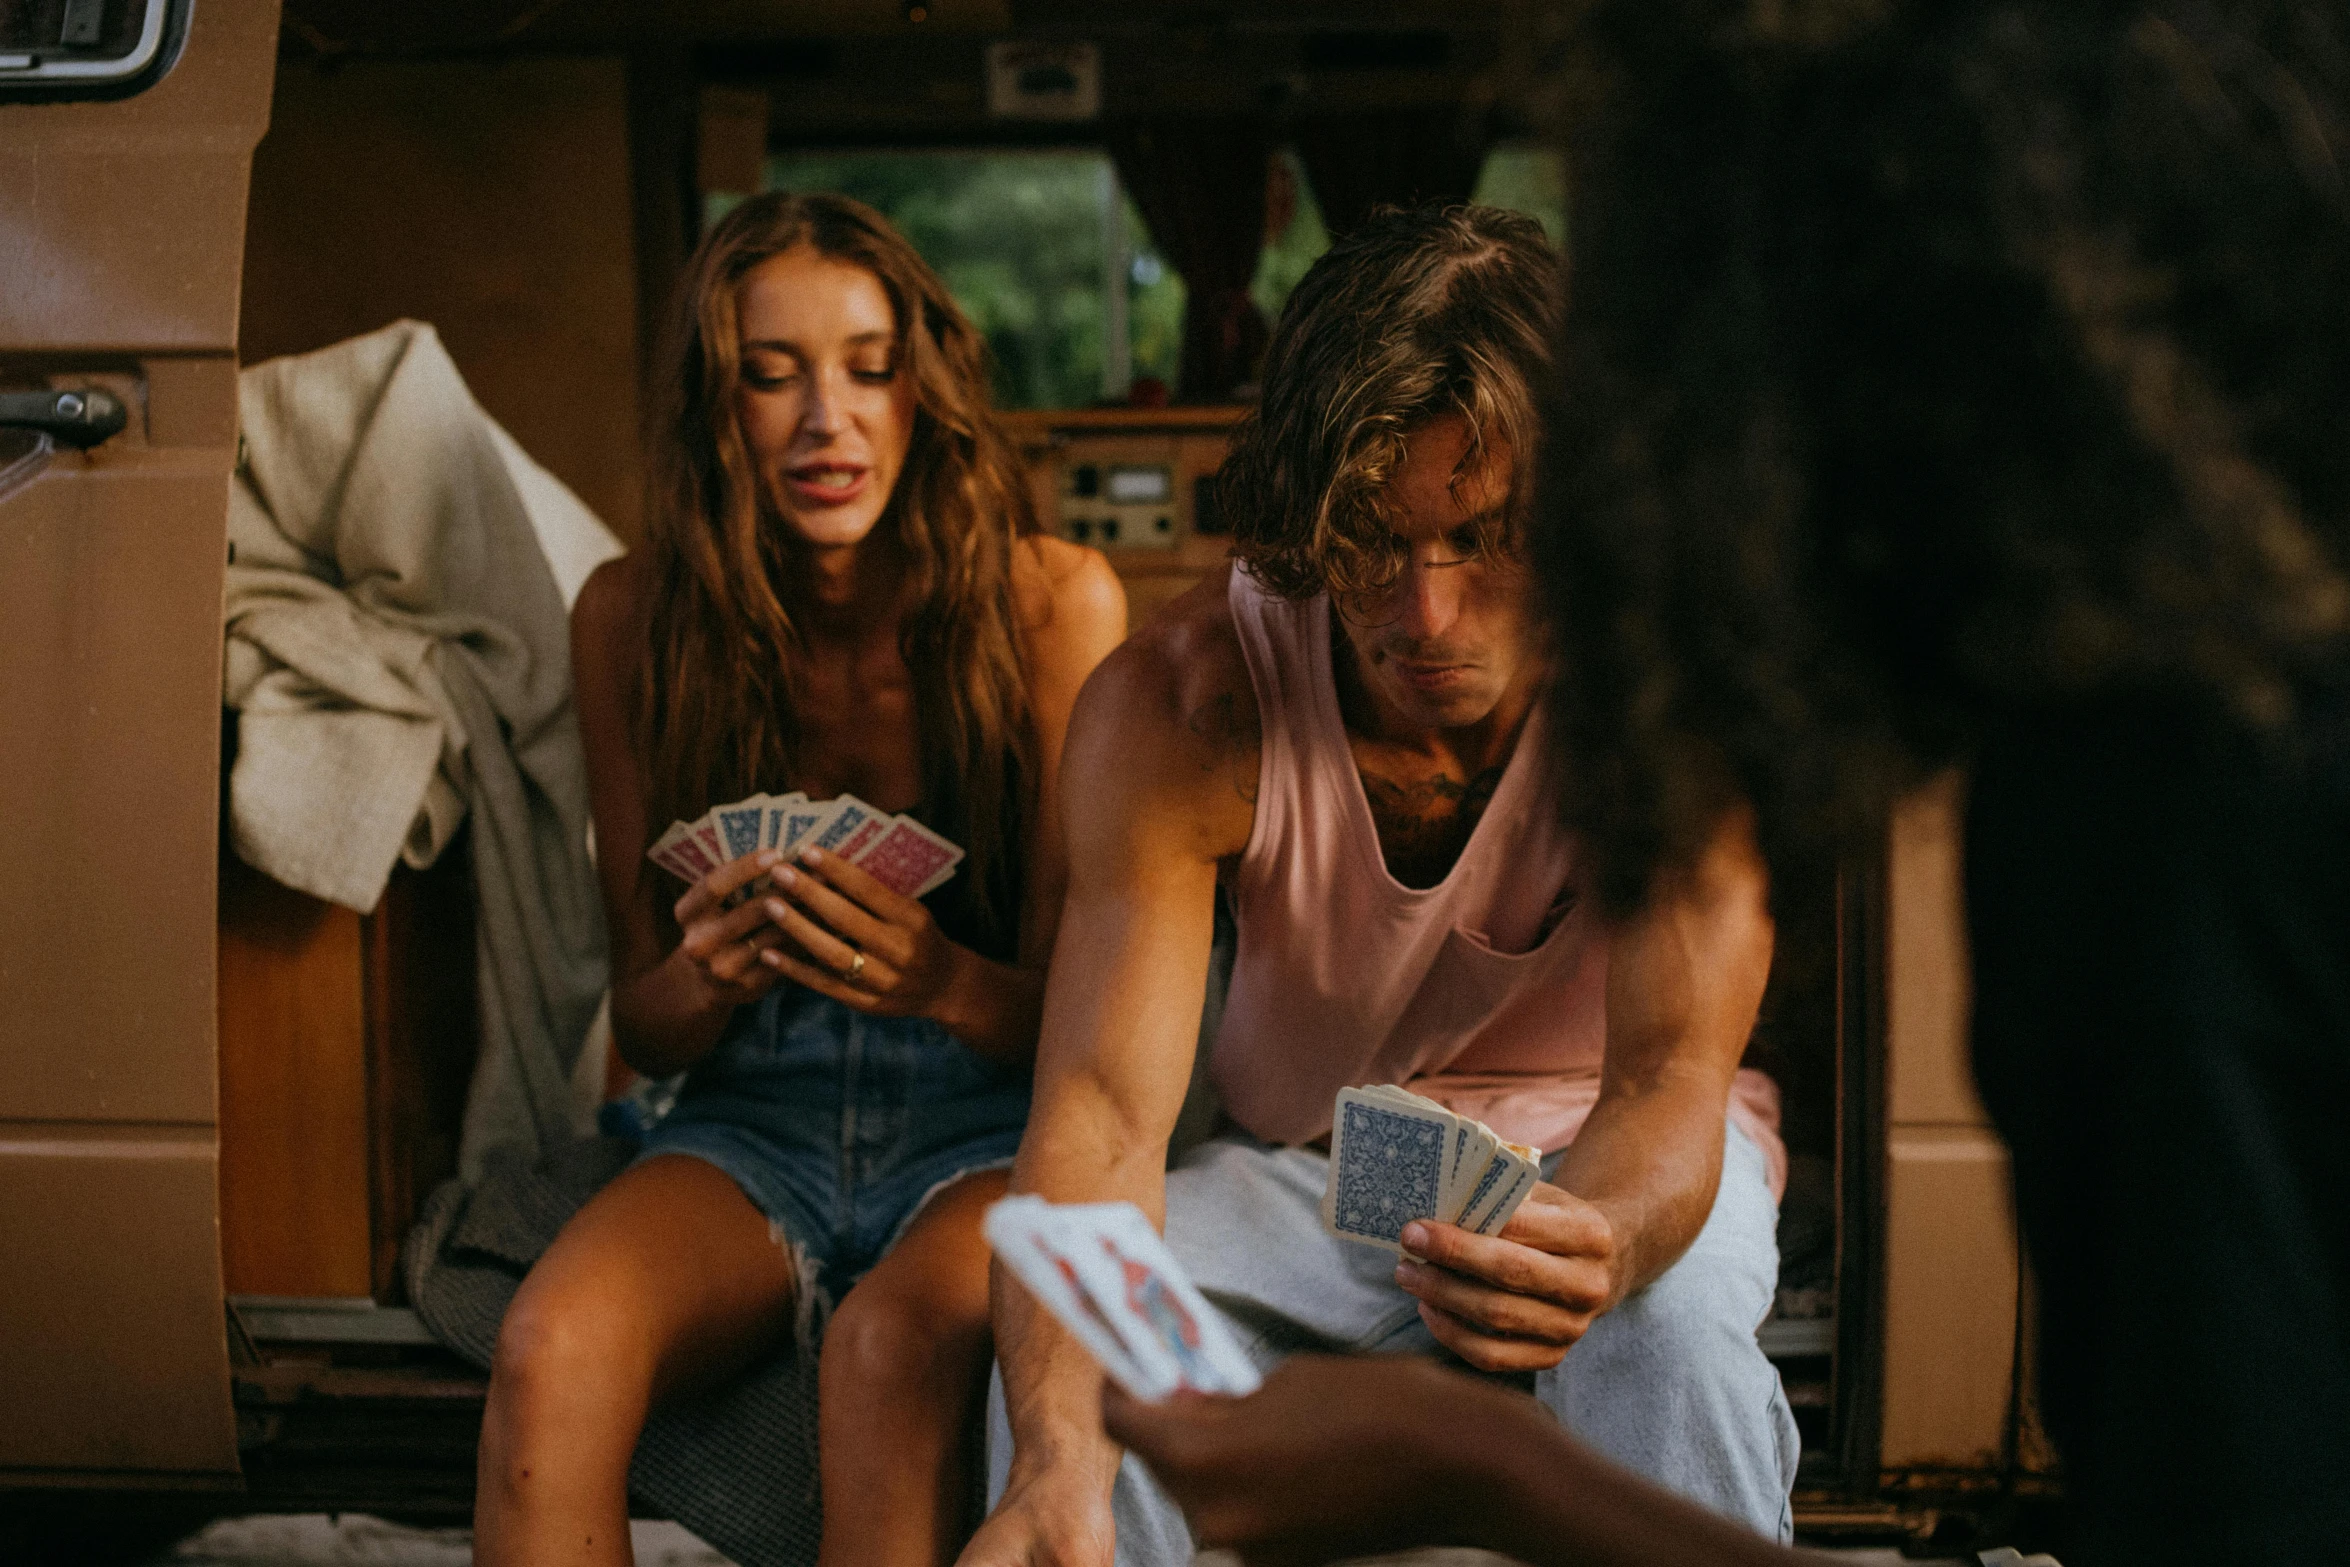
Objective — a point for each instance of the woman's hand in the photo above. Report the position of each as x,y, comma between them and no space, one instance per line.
859,942
723,944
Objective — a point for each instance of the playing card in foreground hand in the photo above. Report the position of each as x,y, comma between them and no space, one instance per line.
1107,1277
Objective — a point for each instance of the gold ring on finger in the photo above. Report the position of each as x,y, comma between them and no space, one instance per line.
855,968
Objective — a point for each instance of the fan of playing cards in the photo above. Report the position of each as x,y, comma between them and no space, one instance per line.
1104,1273
1396,1157
896,851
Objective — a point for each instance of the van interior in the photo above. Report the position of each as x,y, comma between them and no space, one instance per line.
1120,195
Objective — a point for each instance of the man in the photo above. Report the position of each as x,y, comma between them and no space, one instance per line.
2004,348
1344,732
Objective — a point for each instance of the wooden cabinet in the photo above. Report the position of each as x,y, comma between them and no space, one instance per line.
1075,457
346,1045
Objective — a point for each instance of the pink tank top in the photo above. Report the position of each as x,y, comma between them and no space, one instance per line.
1486,992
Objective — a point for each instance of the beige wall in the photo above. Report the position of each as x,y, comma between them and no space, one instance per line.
1950,1245
491,199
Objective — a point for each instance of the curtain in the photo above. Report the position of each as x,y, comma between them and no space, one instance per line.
1200,185
1403,156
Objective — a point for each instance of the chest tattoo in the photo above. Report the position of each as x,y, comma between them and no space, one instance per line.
1424,823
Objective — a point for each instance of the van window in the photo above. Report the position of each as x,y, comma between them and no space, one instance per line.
61,49
1528,177
1056,268
1041,248
1295,235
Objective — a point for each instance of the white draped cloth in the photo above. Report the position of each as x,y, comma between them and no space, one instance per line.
397,645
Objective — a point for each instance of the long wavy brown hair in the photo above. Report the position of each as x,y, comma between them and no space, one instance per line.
717,702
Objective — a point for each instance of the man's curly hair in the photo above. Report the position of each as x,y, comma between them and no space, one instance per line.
1410,316
1929,362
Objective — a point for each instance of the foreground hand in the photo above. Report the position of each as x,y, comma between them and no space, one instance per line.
835,914
1519,1300
1054,1519
1331,1457
724,944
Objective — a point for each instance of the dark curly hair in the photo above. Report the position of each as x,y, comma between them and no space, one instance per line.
1928,361
1413,314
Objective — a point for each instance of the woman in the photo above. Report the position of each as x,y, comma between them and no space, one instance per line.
842,591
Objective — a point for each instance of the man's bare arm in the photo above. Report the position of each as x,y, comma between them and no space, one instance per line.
1685,979
1685,982
1159,751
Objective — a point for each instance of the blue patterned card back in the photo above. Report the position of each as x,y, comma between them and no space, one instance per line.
851,817
741,825
1387,1169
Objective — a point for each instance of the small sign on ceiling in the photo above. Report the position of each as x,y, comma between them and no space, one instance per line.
1044,81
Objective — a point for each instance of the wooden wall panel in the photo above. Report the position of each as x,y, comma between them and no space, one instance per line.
423,1034
347,1045
490,198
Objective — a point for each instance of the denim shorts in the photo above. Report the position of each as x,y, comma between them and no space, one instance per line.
839,1126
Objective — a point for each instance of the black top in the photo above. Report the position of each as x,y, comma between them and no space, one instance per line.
2160,915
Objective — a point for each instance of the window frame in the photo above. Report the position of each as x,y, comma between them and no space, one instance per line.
163,36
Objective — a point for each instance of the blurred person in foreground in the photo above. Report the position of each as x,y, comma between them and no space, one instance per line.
1964,384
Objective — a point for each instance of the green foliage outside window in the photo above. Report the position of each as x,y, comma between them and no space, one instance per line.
1018,239
1530,178
1288,254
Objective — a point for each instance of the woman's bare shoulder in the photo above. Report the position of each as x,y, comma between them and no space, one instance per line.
608,617
614,595
1067,595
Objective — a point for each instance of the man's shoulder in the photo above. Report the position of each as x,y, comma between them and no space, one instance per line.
1176,701
1185,660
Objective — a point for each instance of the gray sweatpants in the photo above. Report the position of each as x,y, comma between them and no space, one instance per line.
1671,1383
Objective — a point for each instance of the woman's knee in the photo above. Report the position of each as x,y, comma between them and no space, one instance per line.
560,1352
895,1338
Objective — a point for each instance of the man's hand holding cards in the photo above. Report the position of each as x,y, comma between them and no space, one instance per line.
1438,1189
1105,1275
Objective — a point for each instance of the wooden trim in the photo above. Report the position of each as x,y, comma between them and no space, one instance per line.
1037,426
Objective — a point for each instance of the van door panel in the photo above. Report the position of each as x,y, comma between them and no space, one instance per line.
121,236
110,668
111,1312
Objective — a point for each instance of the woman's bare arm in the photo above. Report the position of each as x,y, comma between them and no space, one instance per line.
678,970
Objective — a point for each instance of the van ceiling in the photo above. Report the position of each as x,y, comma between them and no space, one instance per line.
369,26
859,70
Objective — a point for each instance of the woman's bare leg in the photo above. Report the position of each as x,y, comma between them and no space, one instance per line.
903,1372
667,1279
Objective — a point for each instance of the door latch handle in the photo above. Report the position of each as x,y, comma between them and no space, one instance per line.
80,419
